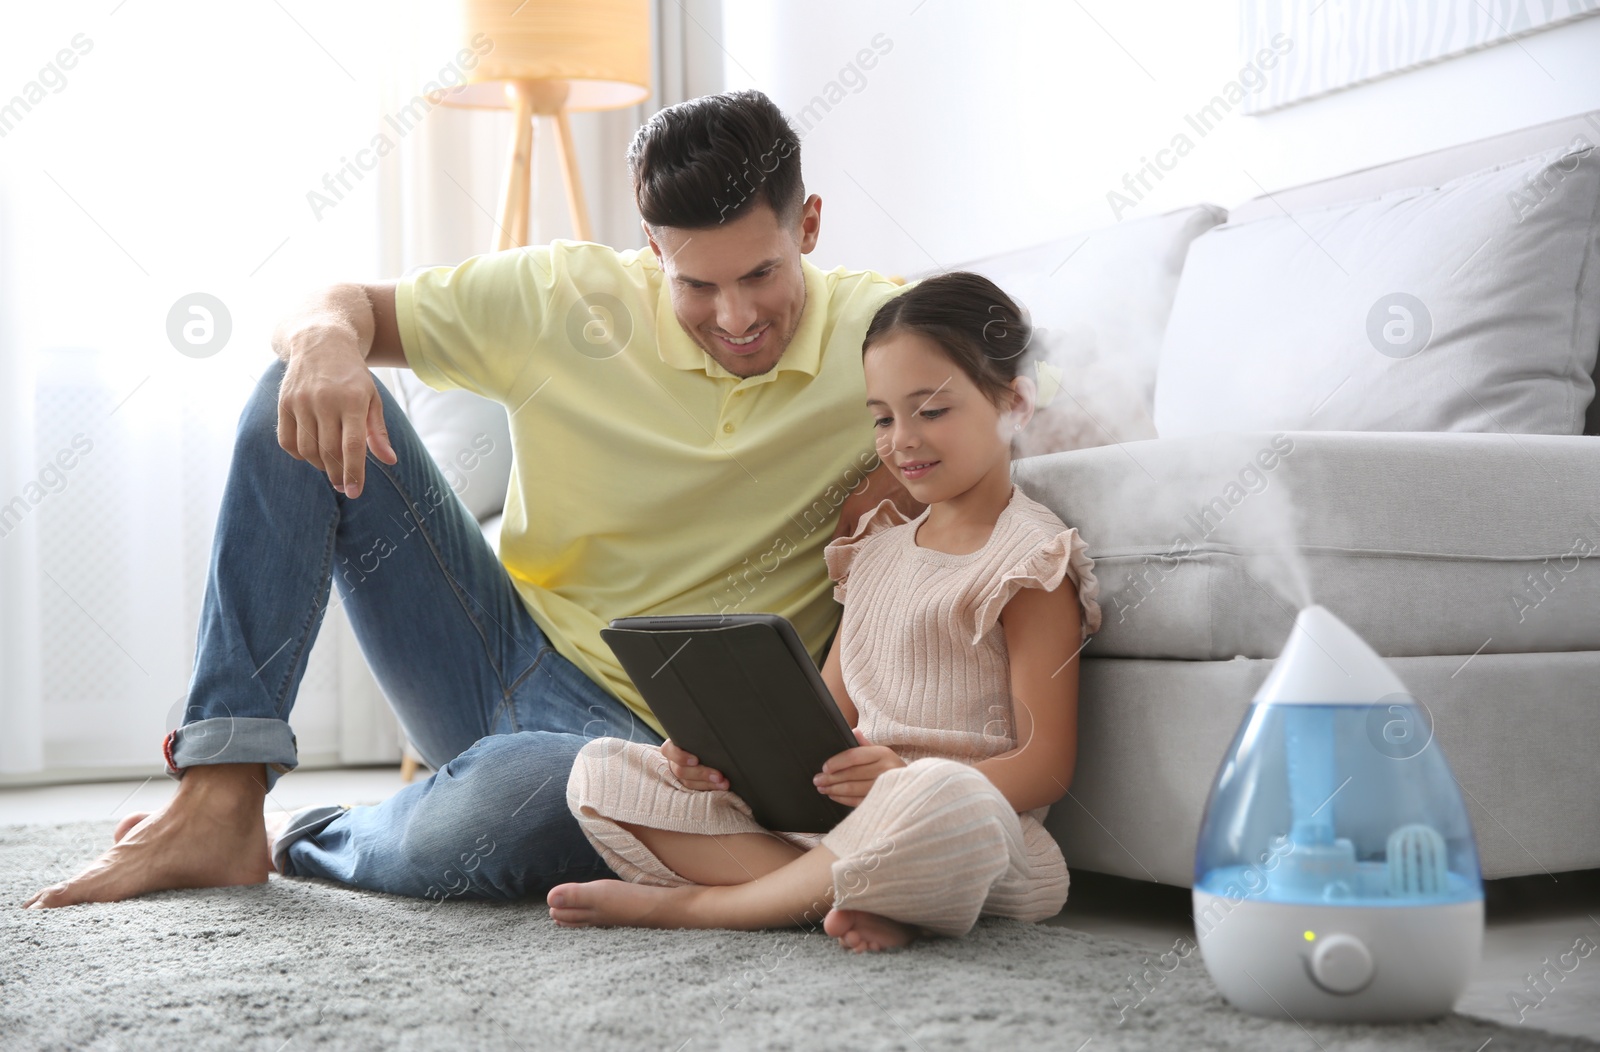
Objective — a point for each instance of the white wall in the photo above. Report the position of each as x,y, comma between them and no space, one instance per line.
991,127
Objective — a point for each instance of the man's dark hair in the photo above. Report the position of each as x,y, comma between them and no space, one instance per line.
708,160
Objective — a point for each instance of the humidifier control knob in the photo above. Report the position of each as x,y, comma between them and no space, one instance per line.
1341,963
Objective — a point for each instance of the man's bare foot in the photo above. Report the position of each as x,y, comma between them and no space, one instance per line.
211,834
861,931
608,903
276,822
128,823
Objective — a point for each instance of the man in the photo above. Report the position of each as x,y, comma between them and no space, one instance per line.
689,428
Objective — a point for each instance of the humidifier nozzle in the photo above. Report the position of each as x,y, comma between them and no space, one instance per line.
1324,662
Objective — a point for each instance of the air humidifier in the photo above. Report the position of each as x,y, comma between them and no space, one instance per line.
1336,876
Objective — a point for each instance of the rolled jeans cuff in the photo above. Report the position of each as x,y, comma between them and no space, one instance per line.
302,823
232,739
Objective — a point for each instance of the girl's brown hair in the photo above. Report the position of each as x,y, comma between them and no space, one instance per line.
982,330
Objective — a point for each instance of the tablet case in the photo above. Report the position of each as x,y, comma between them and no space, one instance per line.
740,692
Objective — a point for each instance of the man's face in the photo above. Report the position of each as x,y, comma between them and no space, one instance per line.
740,281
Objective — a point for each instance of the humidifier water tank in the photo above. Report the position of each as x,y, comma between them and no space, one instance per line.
1336,876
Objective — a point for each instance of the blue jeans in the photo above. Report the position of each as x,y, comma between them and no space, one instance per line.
482,694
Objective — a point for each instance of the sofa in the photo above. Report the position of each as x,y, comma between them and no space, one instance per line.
1442,497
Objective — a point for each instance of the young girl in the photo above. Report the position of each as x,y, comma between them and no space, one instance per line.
954,661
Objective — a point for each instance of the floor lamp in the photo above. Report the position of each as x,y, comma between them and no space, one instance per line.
549,58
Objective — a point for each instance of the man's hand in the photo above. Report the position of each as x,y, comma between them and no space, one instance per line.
848,776
329,413
687,769
880,483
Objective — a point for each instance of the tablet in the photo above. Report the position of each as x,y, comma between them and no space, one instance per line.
741,694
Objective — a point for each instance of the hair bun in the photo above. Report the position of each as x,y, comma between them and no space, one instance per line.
980,328
1007,333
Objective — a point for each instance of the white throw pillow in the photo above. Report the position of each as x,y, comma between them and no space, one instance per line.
1098,302
469,437
1469,306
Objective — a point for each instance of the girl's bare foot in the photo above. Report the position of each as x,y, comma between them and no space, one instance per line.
861,931
606,903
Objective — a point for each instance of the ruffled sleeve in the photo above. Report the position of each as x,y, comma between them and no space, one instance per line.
840,553
1065,555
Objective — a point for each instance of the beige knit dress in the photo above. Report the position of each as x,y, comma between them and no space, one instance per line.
923,655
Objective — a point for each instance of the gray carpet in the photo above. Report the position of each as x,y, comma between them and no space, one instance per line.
298,964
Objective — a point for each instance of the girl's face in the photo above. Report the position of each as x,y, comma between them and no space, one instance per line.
935,429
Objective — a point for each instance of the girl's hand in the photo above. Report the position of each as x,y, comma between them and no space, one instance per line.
848,776
687,769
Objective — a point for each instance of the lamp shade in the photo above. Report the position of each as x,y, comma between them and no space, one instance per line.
599,48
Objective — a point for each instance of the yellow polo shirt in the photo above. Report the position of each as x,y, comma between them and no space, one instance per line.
647,478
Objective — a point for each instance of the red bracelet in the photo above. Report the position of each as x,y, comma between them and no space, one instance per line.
166,753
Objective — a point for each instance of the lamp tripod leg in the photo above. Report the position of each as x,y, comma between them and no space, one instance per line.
569,172
513,224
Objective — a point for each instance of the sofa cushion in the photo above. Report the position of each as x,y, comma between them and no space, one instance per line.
491,529
1099,303
469,437
1469,305
1423,543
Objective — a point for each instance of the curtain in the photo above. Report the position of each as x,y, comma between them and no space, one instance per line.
167,172
154,176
